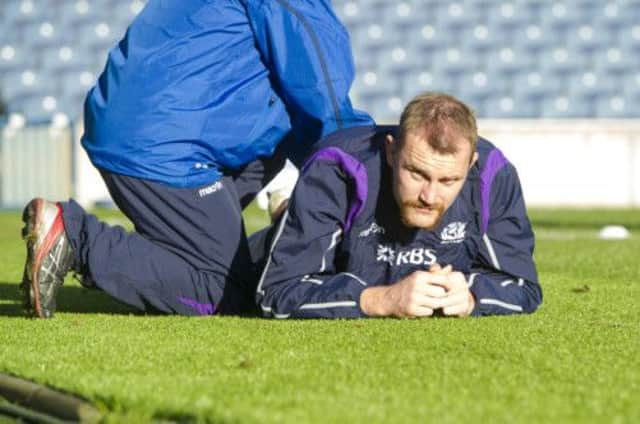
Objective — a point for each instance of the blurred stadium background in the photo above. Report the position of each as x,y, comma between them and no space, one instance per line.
556,85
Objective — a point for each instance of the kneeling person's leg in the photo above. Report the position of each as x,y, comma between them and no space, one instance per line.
189,253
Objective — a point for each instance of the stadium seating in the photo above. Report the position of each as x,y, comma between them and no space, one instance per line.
508,59
509,106
51,51
631,85
480,38
534,86
425,79
616,106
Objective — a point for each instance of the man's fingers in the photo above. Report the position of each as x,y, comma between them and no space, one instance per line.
455,310
426,277
459,303
420,311
426,301
436,268
455,298
438,288
453,281
436,278
433,290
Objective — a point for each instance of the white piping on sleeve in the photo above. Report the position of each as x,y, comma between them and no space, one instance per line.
505,283
345,304
273,245
492,253
355,277
308,279
504,305
334,242
268,310
472,279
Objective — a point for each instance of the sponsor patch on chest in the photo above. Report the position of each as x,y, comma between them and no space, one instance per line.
415,256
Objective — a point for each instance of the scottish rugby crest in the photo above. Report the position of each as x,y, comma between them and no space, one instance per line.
453,232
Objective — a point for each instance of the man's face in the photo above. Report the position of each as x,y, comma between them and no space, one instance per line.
425,182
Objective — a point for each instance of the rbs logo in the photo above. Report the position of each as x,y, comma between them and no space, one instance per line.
415,256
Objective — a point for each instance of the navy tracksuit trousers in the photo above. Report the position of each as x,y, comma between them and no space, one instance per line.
189,253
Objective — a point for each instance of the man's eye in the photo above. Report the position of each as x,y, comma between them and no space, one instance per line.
416,175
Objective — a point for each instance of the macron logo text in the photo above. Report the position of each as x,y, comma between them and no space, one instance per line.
210,189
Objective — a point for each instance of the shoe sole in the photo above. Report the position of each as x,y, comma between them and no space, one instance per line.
33,218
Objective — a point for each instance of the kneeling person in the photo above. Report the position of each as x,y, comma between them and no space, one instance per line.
405,221
194,113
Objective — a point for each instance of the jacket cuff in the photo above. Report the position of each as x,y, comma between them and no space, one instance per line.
479,289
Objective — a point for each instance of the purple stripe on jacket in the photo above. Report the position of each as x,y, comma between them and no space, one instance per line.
200,308
495,162
354,169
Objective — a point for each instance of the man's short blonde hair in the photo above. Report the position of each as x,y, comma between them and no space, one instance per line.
442,119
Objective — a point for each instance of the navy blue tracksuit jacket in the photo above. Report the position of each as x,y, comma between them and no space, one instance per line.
342,233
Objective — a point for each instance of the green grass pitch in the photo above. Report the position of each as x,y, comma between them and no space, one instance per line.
576,360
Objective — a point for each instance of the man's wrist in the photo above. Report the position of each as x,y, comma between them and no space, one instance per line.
373,301
472,303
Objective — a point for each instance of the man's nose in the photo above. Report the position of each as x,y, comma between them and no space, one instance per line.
429,193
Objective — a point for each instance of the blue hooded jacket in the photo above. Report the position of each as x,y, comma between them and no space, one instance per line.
199,87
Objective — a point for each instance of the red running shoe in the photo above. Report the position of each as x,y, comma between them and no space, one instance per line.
49,257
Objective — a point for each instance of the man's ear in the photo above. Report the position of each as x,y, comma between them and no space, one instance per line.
474,159
390,147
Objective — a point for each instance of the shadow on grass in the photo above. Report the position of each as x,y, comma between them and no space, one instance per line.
70,299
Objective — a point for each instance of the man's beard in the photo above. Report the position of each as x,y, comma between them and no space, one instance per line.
410,207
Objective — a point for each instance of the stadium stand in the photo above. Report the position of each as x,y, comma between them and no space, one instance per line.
509,59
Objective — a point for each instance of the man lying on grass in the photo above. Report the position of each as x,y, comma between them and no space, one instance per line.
416,220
